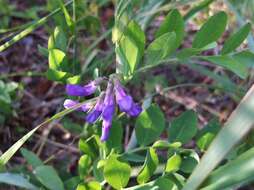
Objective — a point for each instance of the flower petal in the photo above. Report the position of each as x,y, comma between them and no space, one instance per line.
135,110
93,116
108,112
68,103
78,90
125,103
105,130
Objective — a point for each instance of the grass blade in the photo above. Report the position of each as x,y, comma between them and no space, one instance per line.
30,29
237,126
14,148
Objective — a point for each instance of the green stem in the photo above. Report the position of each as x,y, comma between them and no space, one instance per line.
23,74
74,18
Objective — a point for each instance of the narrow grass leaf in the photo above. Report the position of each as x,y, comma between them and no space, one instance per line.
238,125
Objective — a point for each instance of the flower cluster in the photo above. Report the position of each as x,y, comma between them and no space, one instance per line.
105,106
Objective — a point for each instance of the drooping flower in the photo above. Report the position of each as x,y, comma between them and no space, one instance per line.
135,110
68,103
125,101
96,111
108,112
106,125
78,90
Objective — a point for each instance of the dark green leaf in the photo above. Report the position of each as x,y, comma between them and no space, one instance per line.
31,158
115,137
229,63
149,166
161,48
149,125
184,127
188,52
245,58
189,162
48,176
172,23
236,39
16,180
211,30
207,134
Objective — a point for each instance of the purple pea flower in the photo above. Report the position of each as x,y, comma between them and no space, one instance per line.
108,112
135,110
78,90
106,125
68,103
97,110
125,101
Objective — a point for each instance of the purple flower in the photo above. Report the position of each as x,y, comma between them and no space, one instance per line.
78,90
135,110
108,112
97,110
106,125
124,101
68,103
109,103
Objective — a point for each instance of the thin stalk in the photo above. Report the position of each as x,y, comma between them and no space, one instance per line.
74,18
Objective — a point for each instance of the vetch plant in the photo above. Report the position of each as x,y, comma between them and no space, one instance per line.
105,106
125,140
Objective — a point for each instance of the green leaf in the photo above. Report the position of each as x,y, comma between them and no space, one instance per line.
207,134
173,163
67,16
229,63
48,177
161,144
184,127
149,166
172,23
83,165
161,183
189,162
233,173
117,172
56,59
132,45
188,52
4,94
60,39
236,39
31,158
149,125
16,180
115,138
245,58
211,30
161,48
93,185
